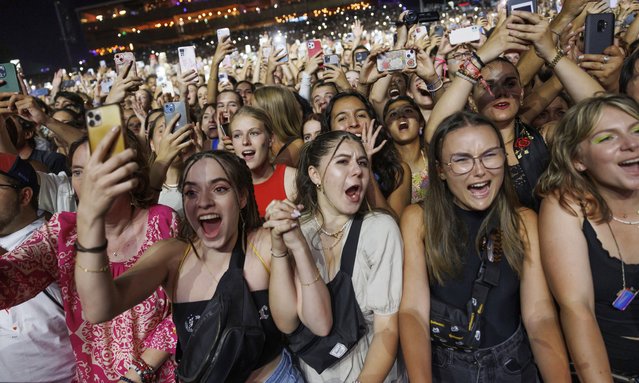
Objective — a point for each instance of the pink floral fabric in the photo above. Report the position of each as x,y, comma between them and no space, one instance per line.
104,351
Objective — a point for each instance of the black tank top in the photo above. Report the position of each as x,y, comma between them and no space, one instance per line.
614,323
502,311
186,315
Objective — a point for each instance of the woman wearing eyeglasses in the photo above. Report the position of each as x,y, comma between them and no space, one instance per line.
470,221
494,88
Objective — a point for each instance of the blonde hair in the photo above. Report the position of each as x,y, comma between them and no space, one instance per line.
282,106
562,179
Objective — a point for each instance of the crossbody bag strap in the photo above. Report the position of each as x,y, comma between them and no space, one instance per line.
350,247
487,278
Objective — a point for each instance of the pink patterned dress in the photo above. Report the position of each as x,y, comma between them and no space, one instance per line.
104,351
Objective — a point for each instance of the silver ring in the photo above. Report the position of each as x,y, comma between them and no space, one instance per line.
606,59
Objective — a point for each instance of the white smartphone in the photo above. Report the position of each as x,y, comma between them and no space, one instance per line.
279,44
222,33
188,62
465,35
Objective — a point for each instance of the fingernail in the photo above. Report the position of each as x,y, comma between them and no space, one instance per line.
296,213
294,224
581,57
115,128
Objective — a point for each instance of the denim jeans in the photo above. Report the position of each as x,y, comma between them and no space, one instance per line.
508,362
285,372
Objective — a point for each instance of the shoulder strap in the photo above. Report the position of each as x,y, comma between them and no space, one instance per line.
350,247
238,256
257,254
487,278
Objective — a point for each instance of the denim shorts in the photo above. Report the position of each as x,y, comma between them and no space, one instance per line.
509,361
285,372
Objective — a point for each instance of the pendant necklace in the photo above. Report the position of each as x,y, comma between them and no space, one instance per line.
626,294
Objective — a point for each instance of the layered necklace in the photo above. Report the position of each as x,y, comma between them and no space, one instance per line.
625,221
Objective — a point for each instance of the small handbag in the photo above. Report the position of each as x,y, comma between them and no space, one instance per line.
349,326
227,340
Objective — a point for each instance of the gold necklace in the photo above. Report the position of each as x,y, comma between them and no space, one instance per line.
335,234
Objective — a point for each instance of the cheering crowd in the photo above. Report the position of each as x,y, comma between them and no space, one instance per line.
379,204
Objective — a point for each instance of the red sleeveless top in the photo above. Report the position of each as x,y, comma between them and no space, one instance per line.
271,189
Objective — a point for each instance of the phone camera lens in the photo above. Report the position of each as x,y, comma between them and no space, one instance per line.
90,114
91,123
97,117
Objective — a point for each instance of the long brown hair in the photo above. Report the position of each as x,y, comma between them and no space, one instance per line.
239,176
562,179
444,243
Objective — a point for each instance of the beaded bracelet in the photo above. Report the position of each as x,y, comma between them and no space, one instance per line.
465,77
125,380
95,250
146,372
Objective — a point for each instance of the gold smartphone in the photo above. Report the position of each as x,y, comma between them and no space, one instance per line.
100,121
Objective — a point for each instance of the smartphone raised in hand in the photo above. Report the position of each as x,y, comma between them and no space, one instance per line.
122,60
9,74
170,109
279,44
599,32
396,60
222,33
186,56
100,121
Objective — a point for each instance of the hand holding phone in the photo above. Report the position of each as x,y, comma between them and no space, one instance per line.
100,121
9,76
396,60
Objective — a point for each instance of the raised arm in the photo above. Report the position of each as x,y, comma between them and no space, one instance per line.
538,309
223,48
414,310
536,30
564,255
296,289
103,298
454,99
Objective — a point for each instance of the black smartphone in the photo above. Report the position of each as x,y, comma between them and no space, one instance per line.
599,33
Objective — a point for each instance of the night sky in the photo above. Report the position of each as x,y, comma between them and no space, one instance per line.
29,31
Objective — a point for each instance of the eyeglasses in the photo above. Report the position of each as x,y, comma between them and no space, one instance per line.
462,163
460,55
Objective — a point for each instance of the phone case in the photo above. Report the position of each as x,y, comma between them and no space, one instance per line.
313,46
187,59
9,74
121,61
331,60
100,121
360,57
221,33
278,46
464,35
171,108
599,34
521,5
396,60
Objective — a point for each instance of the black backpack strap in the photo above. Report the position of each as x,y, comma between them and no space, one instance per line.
350,247
238,256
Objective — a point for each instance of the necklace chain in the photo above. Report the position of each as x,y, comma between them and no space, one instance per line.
115,253
623,270
625,222
335,234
